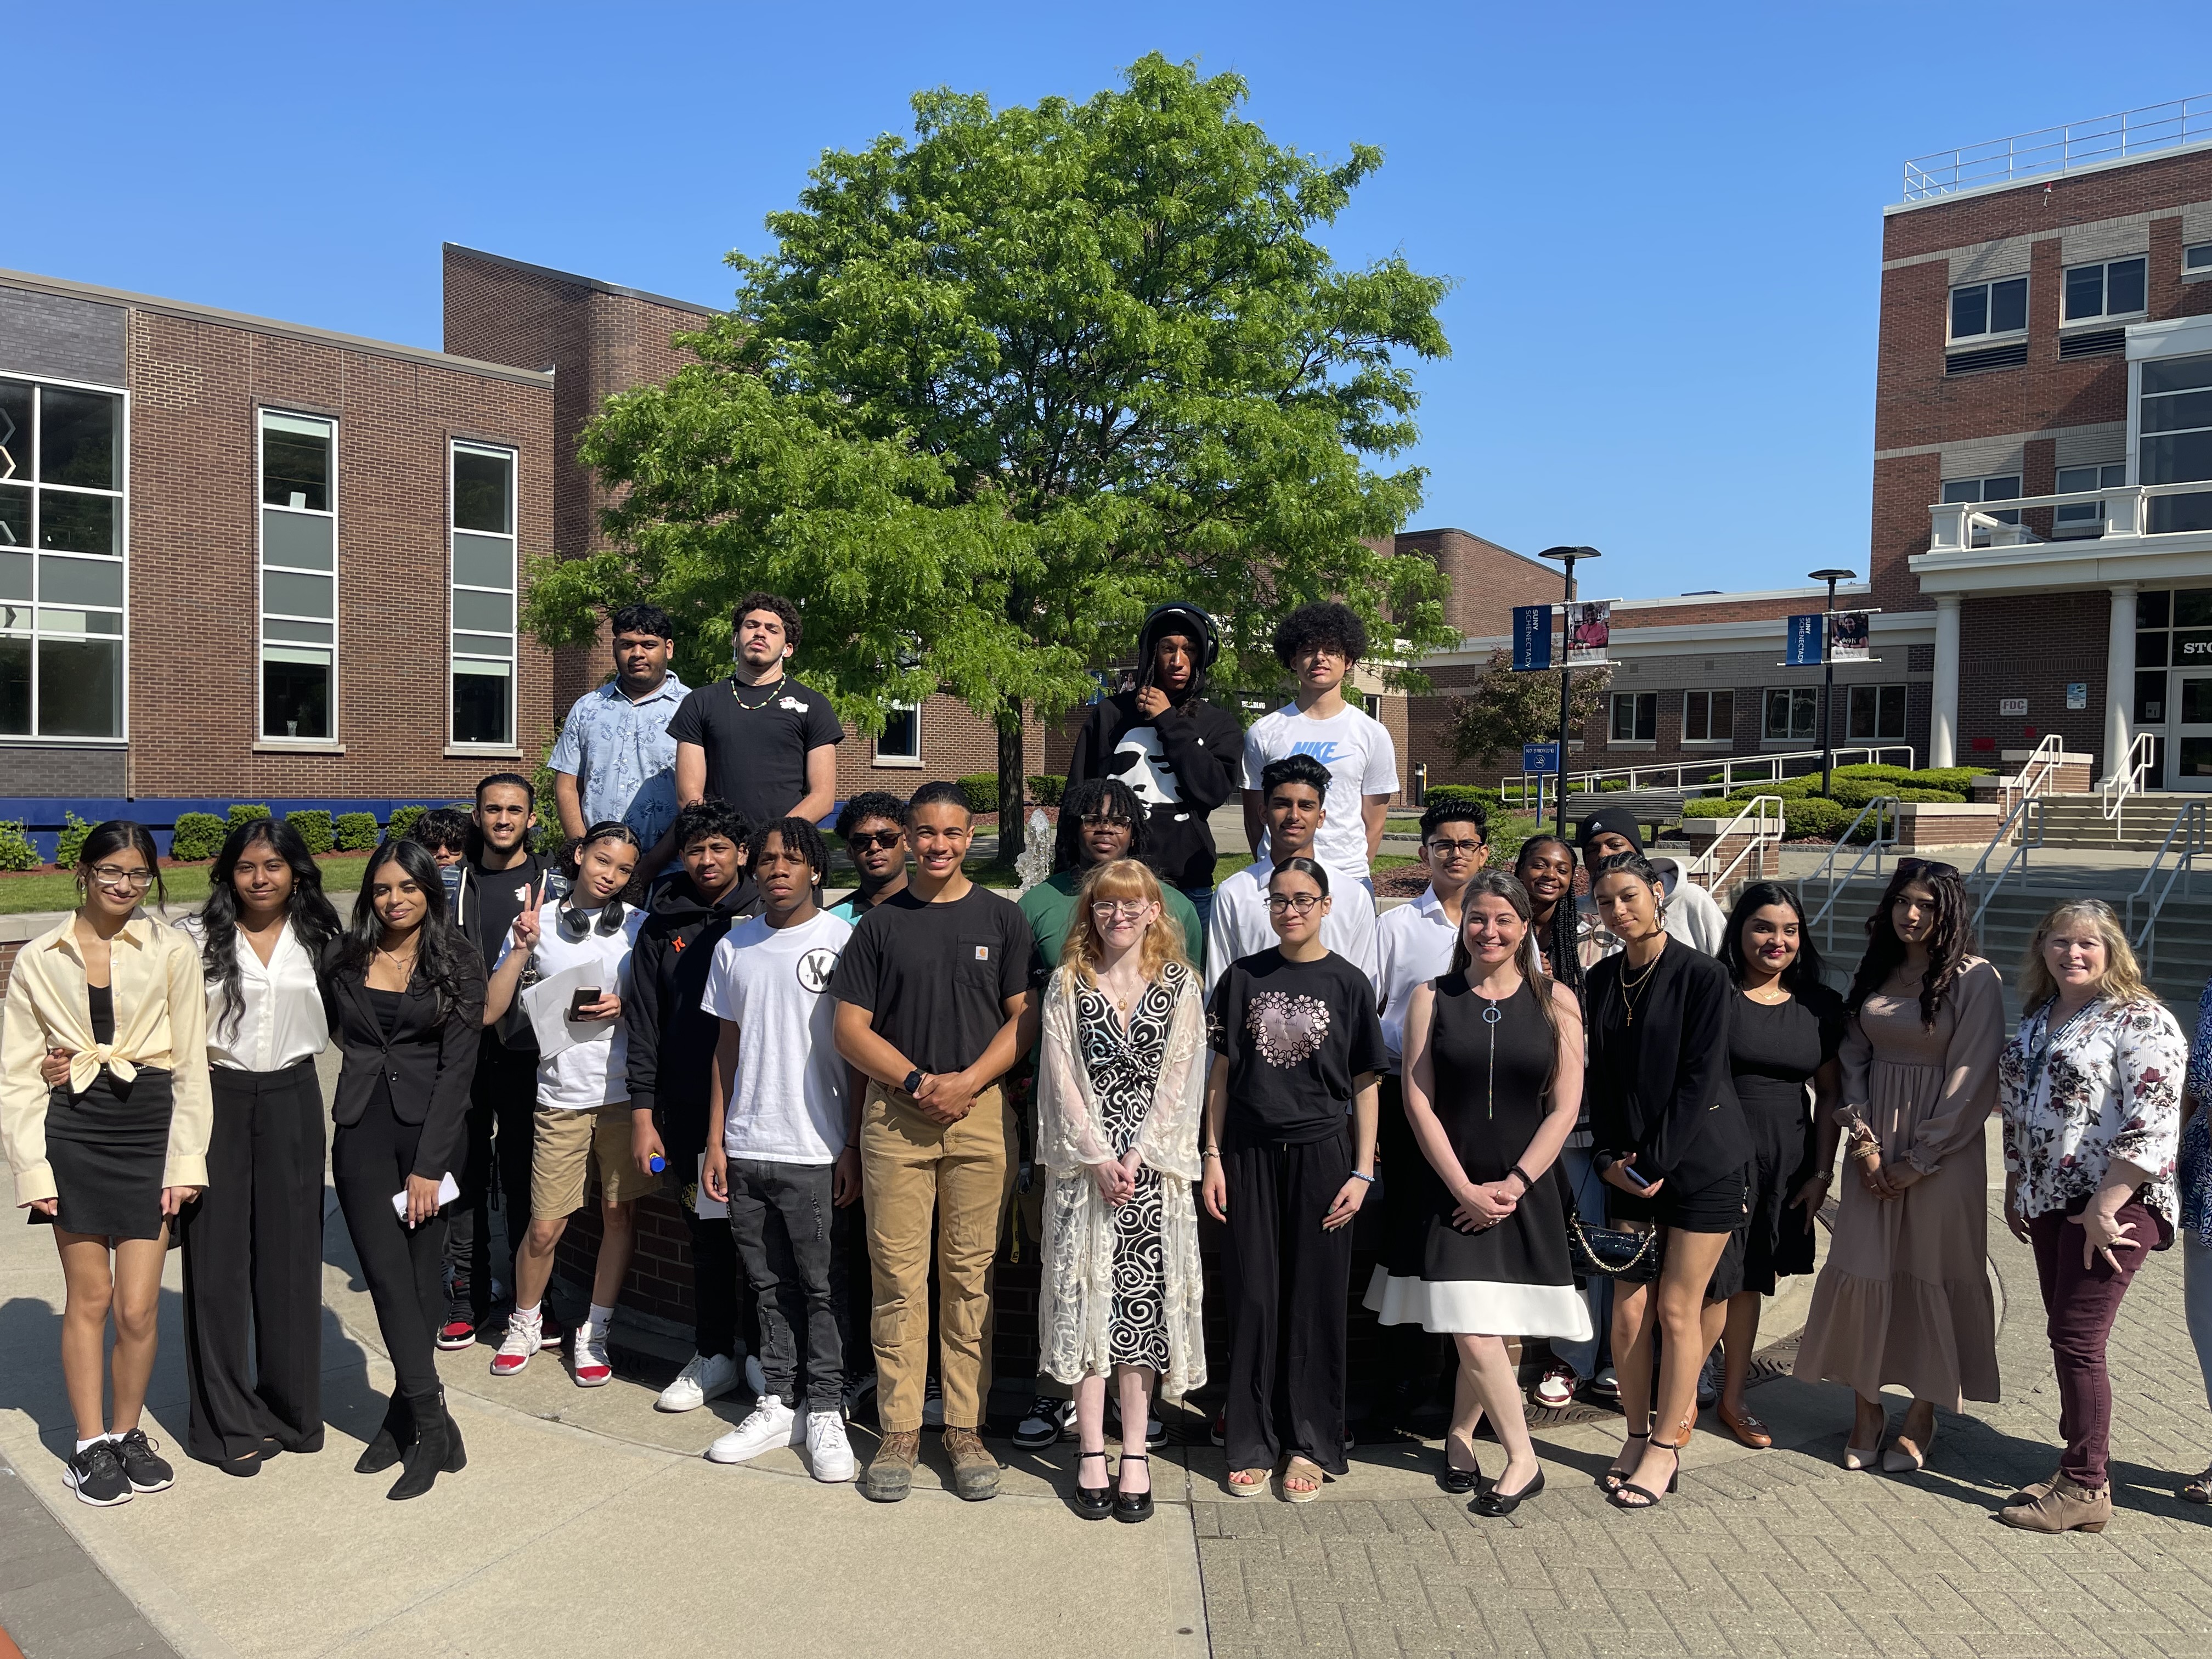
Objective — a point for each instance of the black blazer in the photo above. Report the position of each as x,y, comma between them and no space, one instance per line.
1661,1088
428,1062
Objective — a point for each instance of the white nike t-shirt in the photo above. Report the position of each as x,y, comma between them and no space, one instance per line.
787,1105
1362,760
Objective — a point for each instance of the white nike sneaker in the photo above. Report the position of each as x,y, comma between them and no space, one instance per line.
829,1454
705,1377
772,1424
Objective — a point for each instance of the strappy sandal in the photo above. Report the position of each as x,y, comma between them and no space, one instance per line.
1630,1496
2198,1491
1247,1483
1615,1476
1091,1503
1297,1471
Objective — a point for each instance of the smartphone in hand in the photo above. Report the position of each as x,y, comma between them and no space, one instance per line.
1635,1179
585,997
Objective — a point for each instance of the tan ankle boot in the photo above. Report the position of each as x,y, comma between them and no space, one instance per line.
975,1471
890,1474
2068,1506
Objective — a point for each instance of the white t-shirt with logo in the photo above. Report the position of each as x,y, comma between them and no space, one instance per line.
773,983
596,1072
1362,760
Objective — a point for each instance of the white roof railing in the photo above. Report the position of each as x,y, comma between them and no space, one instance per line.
2060,151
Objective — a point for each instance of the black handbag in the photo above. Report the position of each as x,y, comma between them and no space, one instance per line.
1614,1252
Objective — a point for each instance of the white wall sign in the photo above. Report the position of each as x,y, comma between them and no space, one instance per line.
2010,708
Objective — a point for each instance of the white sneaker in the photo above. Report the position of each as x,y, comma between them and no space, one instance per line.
829,1454
772,1424
755,1378
705,1377
933,1404
592,1368
515,1348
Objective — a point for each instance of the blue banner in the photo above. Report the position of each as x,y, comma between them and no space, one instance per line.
1807,634
1540,758
1532,637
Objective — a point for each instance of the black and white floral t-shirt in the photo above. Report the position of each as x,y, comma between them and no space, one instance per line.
1298,1036
2078,1093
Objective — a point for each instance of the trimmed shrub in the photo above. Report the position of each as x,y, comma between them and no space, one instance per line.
1464,795
1712,806
1788,788
17,852
403,818
70,846
1045,787
1959,778
315,829
242,813
982,789
1802,815
1612,785
1875,774
197,835
1951,795
356,832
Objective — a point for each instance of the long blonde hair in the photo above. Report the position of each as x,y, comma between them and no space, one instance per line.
2123,980
1121,879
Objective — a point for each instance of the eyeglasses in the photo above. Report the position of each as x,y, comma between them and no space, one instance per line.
1109,909
1301,902
110,875
1448,847
885,839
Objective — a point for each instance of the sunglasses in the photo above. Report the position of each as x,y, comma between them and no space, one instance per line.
883,839
1925,867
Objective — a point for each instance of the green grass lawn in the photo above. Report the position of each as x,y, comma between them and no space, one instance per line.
186,885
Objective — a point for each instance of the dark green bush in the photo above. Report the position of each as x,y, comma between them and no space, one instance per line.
403,818
242,813
1464,795
314,828
356,832
1951,795
1788,788
70,846
197,835
1959,778
1875,774
17,852
1811,816
982,789
1045,787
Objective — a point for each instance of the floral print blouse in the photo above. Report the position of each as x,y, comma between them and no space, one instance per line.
2196,1142
2104,1085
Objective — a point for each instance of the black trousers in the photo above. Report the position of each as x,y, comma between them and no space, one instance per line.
782,1218
253,1269
713,1284
403,1266
502,1128
1287,1281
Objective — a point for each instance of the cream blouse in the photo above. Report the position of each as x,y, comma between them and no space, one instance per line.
161,1021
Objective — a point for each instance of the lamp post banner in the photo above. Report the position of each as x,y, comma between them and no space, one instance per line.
1805,635
1850,636
1589,630
1532,638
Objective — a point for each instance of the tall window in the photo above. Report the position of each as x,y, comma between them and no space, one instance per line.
2176,442
299,578
2113,289
1876,715
1635,716
1707,716
900,744
1986,310
62,520
483,595
2084,518
1793,713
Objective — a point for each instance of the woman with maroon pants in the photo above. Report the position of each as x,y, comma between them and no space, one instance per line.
2092,1098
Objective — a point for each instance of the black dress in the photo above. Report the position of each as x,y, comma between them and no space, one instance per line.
1493,1062
109,1146
1773,1051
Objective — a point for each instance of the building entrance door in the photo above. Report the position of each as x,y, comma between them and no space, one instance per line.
2189,733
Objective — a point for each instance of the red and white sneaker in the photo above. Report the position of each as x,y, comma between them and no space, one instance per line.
456,1333
593,1370
552,1333
523,1339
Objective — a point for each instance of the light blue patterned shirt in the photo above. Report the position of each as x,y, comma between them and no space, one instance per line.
621,757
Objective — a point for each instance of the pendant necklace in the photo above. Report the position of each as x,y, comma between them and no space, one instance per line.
774,686
1629,991
1491,1017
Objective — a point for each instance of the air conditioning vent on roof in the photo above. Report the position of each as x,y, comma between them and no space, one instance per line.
2105,343
2004,356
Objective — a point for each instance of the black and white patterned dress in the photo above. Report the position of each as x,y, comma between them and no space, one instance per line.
1124,1069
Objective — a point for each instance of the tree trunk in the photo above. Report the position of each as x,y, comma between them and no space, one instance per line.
1013,787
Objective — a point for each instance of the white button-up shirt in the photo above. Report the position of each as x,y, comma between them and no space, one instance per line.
1413,945
1240,926
281,1020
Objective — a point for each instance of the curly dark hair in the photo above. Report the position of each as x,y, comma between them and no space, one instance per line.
442,827
774,603
710,815
1334,626
1803,974
869,804
1088,799
1950,941
797,835
642,618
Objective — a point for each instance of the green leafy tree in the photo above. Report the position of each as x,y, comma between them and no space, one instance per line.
1505,709
1003,386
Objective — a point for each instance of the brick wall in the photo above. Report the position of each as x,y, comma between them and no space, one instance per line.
2030,646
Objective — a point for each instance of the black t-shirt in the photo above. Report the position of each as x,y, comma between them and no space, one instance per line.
1295,1035
937,976
757,756
499,896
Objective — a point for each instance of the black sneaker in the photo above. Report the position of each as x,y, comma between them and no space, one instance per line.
1049,1422
145,1472
95,1475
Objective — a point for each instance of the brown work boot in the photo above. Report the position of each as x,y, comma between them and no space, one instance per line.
975,1471
2033,1491
890,1474
2068,1506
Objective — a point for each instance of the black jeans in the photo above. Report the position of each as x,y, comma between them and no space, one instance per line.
781,1218
370,1161
502,1128
253,1269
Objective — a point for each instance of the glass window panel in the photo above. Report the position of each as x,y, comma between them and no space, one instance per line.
2001,489
2177,412
1970,311
15,516
2189,650
2085,292
295,694
16,687
2196,703
76,438
483,645
482,561
2176,373
2152,609
2198,258
15,430
80,524
81,687
1963,490
2008,306
2072,478
280,628
2170,513
1693,716
2178,457
15,575
1724,714
79,622
298,596
2150,650
2195,758
295,462
294,539
902,736
2150,699
483,612
80,581
2193,608
2124,287
15,618
480,702
481,492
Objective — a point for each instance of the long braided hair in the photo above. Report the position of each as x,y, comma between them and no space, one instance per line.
1561,937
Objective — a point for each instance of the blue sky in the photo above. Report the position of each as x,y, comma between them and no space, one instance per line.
1663,223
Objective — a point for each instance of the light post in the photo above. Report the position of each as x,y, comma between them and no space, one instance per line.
1828,675
1567,556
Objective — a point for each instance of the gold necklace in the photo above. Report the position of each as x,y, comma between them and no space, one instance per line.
1631,989
774,686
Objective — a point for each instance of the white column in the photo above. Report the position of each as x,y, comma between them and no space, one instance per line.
2119,679
1943,709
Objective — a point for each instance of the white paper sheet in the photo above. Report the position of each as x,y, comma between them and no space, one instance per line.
547,1005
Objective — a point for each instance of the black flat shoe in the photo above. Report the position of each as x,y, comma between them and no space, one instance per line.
242,1467
1459,1482
1497,1504
1092,1503
271,1447
1135,1506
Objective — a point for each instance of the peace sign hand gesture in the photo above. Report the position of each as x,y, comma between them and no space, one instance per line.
526,924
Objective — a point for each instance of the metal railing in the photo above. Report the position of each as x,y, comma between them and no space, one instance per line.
2027,814
2184,844
2126,780
2059,149
1882,839
1761,821
1954,525
1717,776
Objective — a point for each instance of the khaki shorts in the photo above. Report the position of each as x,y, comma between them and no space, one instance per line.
565,1146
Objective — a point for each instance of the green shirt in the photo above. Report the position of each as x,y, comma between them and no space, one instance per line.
1050,908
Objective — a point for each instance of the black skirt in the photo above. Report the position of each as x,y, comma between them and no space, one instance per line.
109,1148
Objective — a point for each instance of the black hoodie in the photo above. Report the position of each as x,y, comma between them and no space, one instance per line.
672,1041
1182,766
